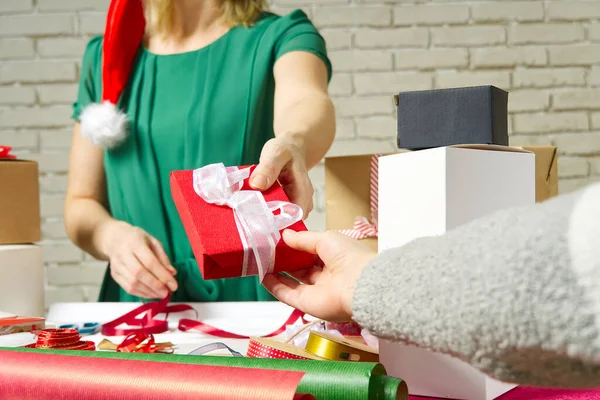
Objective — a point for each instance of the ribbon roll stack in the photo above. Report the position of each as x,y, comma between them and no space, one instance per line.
320,346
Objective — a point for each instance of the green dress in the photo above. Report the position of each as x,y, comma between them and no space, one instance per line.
188,110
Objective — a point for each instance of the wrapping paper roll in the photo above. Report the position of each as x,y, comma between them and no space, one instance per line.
325,380
62,376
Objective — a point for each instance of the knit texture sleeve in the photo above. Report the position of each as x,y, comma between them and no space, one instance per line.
516,294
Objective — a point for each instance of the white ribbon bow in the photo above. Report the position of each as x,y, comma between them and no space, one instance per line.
256,222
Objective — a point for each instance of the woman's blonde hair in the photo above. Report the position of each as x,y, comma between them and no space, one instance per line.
159,13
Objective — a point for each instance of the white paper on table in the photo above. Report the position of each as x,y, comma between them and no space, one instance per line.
243,318
17,339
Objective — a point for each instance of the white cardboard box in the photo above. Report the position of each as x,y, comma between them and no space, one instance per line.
426,193
22,280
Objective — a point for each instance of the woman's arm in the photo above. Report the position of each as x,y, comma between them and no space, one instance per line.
516,294
304,127
85,212
304,113
138,262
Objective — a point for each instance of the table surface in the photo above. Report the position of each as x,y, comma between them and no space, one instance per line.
255,319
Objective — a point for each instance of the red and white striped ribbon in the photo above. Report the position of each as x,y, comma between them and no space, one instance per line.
364,229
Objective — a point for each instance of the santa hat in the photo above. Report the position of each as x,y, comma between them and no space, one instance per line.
103,123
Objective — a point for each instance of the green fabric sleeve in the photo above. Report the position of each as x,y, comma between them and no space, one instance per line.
297,33
89,92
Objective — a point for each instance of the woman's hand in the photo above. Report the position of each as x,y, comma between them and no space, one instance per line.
326,292
284,160
138,262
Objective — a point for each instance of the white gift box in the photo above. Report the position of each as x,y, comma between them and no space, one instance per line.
22,280
426,193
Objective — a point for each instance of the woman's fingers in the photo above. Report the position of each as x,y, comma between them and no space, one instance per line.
138,273
274,156
303,241
129,284
308,276
158,250
283,288
151,263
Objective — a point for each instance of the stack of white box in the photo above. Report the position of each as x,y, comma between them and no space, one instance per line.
21,263
428,192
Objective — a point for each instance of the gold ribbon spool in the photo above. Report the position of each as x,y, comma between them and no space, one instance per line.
335,348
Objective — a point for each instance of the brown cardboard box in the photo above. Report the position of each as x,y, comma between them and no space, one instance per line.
347,186
546,171
347,192
19,202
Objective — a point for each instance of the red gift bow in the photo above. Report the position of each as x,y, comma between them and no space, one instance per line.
5,153
148,324
364,229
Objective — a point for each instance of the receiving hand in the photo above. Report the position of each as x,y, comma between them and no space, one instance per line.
138,262
326,292
281,159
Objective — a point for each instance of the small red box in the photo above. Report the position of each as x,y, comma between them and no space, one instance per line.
214,236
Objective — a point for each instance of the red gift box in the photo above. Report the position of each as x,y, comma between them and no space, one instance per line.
214,236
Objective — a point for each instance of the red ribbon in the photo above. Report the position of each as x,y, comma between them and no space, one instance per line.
148,325
142,343
5,153
189,324
63,339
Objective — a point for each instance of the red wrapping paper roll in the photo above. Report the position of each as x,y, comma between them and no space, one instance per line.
52,376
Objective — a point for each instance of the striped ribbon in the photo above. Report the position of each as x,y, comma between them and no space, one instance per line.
364,229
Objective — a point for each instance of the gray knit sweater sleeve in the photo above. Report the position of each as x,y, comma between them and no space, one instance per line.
515,294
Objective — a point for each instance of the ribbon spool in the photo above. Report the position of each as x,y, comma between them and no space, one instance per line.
61,339
334,348
269,348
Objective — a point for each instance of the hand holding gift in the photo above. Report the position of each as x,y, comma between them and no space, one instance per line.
234,230
284,161
325,293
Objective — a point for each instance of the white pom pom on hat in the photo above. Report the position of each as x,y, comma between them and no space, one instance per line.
104,124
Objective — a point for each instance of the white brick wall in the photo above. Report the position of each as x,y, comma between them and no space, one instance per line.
546,53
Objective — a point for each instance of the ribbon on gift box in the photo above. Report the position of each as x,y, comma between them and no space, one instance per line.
5,153
363,229
258,221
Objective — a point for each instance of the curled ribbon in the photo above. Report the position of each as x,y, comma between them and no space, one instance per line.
143,343
258,221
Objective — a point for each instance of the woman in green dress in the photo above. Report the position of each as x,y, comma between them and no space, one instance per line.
214,81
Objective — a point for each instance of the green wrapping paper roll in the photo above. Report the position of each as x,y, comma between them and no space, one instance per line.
325,380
